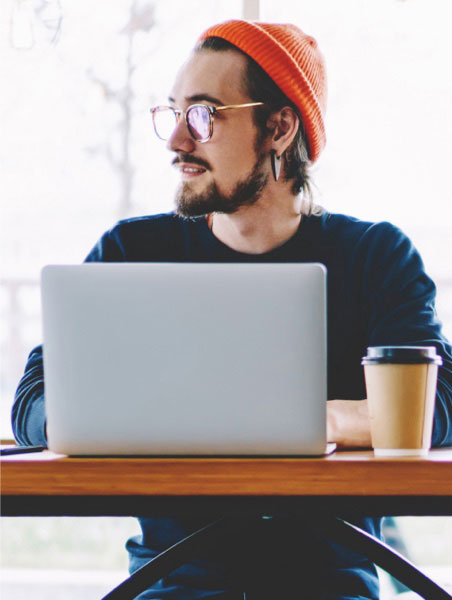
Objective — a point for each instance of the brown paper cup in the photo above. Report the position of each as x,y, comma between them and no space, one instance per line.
401,390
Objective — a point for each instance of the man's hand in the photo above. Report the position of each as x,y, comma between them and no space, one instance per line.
348,423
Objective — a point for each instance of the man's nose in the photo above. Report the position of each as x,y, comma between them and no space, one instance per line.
180,139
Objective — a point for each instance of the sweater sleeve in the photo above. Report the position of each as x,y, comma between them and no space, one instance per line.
398,300
28,416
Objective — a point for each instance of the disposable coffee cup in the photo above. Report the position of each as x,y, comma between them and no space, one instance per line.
401,390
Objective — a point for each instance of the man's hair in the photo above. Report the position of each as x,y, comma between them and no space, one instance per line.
261,88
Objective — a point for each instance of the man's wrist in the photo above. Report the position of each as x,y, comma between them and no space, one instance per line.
348,423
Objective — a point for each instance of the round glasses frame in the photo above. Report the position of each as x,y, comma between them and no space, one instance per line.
211,110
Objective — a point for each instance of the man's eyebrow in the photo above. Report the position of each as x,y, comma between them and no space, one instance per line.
199,98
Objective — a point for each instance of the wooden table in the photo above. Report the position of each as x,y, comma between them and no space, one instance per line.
340,485
47,483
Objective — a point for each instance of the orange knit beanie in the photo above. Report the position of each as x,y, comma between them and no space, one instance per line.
292,59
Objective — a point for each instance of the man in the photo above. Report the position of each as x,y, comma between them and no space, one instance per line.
245,120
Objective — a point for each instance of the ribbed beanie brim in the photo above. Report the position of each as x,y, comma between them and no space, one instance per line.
293,61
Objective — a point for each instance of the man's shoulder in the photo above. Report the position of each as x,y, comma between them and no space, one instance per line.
165,228
352,230
161,237
368,244
336,222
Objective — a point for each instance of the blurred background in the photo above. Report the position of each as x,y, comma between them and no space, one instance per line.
78,153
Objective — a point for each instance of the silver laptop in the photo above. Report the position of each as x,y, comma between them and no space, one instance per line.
185,359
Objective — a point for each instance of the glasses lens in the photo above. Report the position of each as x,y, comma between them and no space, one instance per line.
198,121
164,119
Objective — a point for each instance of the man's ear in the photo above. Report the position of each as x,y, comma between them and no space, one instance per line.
284,126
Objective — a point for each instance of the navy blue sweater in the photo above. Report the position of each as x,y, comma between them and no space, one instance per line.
378,294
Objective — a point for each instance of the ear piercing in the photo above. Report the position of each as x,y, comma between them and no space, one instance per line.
276,164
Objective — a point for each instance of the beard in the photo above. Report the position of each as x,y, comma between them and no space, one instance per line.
246,192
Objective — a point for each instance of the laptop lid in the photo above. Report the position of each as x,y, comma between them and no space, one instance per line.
185,359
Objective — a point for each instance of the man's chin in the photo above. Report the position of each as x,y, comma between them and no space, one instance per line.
189,209
245,193
189,204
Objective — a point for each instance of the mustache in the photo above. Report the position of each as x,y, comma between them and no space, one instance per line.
188,158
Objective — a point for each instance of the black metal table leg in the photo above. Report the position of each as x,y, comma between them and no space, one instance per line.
382,555
180,553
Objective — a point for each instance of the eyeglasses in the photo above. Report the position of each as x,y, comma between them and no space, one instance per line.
198,117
